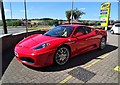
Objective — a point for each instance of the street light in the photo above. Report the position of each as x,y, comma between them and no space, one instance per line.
118,10
3,17
26,17
72,12
11,13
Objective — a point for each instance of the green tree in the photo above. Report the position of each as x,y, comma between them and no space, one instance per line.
76,14
14,22
68,15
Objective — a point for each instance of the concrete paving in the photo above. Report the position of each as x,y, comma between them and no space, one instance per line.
100,62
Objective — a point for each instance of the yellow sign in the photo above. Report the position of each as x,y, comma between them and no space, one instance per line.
105,13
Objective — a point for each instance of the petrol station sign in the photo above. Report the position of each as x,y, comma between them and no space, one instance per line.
105,13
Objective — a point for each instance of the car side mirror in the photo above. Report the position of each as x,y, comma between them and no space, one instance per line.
78,34
96,31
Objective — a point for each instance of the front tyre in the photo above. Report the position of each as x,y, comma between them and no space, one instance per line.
102,43
112,32
62,55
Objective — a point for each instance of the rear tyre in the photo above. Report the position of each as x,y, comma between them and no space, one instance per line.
102,43
62,55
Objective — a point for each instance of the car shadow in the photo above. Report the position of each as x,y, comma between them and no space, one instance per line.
78,60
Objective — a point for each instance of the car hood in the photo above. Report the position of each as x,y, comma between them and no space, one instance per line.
36,40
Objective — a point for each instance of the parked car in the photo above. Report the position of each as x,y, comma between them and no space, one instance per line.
59,44
115,29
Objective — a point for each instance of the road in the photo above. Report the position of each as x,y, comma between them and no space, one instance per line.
93,67
1,31
12,30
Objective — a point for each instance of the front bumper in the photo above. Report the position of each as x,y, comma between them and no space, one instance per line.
35,60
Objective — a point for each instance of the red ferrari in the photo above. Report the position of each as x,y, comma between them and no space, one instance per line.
59,44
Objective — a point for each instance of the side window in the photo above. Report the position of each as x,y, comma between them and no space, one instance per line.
80,29
88,30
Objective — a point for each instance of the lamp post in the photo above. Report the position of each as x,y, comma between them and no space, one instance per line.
72,12
26,17
3,17
11,13
118,10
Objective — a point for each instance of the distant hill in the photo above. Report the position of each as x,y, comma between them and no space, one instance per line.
46,19
43,19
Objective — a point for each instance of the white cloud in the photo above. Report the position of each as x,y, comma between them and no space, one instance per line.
7,10
82,9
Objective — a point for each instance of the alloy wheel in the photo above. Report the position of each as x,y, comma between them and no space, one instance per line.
62,56
102,43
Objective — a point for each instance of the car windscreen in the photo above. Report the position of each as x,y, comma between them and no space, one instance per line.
60,31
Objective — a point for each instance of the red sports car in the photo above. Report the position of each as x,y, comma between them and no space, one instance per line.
59,44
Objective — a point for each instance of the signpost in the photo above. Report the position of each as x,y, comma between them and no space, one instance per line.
105,14
3,17
26,17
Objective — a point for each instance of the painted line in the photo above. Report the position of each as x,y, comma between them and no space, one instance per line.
101,57
117,68
66,79
87,66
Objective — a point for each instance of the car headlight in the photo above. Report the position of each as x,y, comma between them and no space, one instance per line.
16,54
42,46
